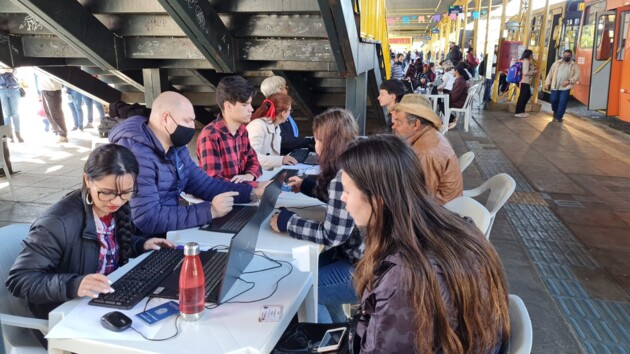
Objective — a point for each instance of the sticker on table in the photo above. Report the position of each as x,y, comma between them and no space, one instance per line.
270,313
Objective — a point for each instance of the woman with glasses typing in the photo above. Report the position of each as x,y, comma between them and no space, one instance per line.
333,131
77,242
264,131
429,281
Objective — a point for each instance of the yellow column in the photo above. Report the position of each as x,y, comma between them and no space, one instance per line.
541,48
495,89
485,45
465,23
476,29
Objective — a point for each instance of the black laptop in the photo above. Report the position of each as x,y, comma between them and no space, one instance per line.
222,269
236,219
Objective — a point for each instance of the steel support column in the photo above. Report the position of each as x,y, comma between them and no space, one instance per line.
155,82
338,16
541,49
356,98
495,87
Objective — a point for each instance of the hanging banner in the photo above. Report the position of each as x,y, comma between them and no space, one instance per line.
428,38
475,15
436,18
484,12
435,30
407,41
453,17
406,19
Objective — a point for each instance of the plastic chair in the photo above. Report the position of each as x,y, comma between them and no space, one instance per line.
5,130
501,188
521,336
466,206
467,108
14,316
465,160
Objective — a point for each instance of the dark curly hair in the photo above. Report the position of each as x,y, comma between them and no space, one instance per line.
112,159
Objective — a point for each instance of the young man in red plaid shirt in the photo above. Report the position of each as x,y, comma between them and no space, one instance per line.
223,147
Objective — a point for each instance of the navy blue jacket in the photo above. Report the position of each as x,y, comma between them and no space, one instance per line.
155,209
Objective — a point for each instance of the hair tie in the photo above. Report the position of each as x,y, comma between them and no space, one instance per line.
271,111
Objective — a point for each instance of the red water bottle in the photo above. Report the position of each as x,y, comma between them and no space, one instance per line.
192,285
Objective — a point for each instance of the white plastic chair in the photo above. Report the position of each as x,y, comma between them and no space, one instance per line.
5,130
465,160
521,336
466,206
14,315
467,108
501,188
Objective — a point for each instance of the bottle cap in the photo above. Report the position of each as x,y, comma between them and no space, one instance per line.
191,249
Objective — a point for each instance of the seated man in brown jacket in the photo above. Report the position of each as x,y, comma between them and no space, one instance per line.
414,120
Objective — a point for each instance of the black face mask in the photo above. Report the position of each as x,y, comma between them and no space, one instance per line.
182,135
566,59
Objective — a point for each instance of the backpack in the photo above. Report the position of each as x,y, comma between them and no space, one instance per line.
107,123
515,74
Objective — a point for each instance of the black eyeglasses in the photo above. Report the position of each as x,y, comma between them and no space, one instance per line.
108,196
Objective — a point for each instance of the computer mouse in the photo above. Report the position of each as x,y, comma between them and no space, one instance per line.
115,321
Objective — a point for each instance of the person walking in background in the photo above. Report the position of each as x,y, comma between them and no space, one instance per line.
51,97
90,111
472,61
75,102
10,100
563,74
526,80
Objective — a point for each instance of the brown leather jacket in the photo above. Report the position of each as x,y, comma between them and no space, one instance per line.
442,174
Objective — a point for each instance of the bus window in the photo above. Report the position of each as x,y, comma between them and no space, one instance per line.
588,28
605,36
623,34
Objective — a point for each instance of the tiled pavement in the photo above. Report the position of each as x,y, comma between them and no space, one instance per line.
564,236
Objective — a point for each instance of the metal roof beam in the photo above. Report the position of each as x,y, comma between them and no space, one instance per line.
201,23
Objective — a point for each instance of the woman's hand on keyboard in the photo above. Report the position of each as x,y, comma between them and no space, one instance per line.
93,284
157,243
289,160
295,183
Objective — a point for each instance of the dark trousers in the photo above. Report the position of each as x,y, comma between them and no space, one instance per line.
52,107
487,92
523,97
559,100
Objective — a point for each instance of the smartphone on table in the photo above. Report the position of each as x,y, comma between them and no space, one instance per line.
332,340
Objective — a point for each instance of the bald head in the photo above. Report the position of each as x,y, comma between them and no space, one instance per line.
169,110
171,102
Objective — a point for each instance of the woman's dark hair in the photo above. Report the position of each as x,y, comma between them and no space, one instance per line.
234,89
273,106
440,252
462,71
335,128
527,53
112,159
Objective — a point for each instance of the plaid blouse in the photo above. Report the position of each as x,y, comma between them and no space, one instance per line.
108,254
223,155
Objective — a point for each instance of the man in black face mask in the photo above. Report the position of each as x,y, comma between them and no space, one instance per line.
166,170
563,74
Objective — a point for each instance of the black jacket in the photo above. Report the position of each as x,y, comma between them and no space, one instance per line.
289,142
61,247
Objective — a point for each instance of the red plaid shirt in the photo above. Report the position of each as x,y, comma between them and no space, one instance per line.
223,155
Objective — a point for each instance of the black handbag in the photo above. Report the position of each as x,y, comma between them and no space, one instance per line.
304,338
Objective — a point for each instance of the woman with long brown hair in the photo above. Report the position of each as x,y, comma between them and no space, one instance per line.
264,131
333,130
430,281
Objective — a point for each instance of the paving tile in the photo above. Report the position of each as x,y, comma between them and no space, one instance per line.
592,217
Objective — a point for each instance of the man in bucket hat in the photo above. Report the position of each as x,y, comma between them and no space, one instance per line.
414,120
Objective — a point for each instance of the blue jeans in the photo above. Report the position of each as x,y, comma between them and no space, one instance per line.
334,288
90,110
10,100
75,107
559,100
